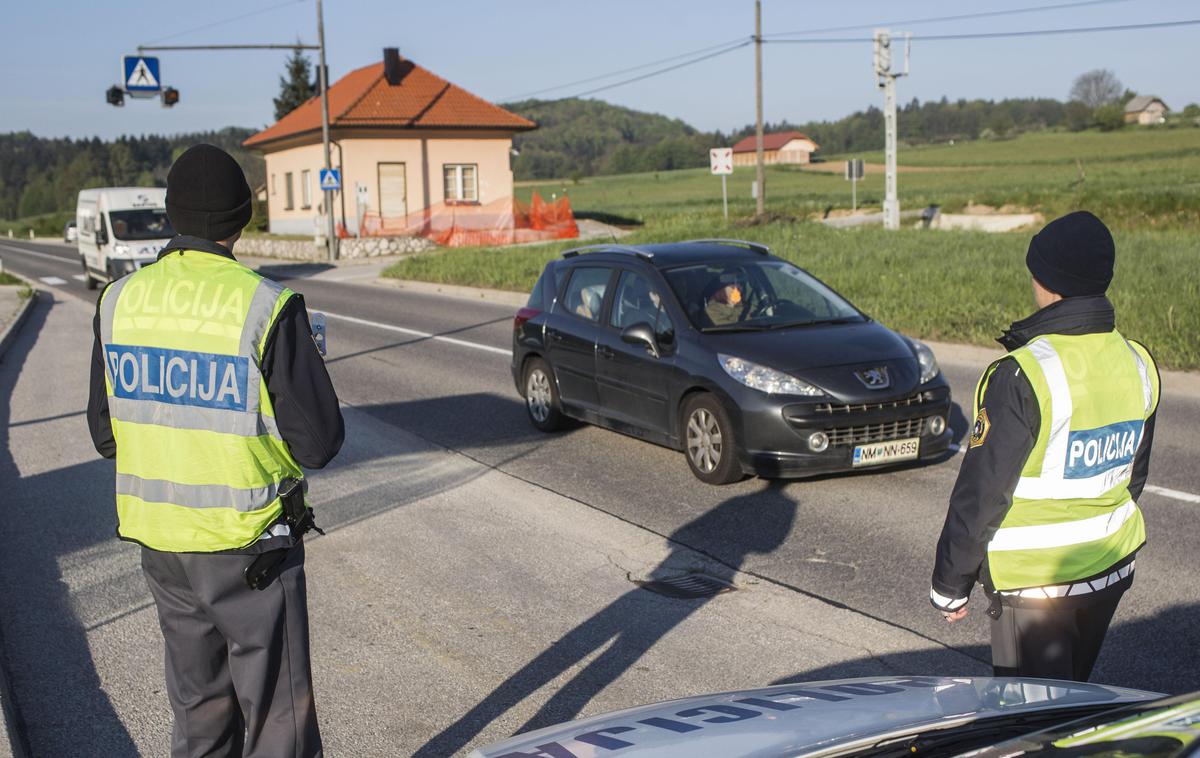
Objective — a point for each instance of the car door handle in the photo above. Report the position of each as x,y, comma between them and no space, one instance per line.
557,336
605,352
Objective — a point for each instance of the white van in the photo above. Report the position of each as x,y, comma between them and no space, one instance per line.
121,229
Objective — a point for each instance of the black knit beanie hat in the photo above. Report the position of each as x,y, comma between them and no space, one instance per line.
207,194
1073,255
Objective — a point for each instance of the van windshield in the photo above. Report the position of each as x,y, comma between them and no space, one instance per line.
141,224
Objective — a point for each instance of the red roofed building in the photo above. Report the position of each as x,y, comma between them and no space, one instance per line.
781,147
406,141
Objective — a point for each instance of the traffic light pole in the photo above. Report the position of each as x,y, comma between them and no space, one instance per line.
323,82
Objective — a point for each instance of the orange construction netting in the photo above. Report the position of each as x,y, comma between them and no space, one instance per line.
502,222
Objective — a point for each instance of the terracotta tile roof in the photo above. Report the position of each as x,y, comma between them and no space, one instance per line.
770,141
421,99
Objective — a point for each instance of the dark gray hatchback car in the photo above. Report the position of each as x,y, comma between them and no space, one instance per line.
738,358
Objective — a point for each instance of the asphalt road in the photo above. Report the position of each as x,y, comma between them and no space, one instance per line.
438,368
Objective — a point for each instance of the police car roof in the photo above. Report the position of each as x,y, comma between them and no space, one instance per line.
669,254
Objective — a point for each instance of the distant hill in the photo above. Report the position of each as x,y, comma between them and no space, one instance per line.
587,137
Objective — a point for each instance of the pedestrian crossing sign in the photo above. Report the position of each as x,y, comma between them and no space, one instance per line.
331,179
141,75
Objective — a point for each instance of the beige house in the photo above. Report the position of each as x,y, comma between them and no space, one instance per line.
408,144
1145,109
781,147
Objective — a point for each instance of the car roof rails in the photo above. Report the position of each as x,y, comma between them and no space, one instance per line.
751,246
610,248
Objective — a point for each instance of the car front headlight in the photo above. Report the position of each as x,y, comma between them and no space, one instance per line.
929,364
765,379
119,249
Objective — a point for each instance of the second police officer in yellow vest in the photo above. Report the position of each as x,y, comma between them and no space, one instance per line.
209,392
1044,513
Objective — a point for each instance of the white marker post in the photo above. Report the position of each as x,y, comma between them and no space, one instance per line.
854,172
721,163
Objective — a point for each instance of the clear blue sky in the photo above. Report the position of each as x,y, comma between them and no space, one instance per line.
60,55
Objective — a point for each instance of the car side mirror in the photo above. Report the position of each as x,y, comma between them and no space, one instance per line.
101,237
641,333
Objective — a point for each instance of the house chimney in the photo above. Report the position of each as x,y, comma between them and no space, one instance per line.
391,65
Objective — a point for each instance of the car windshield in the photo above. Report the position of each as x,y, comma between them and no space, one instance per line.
141,224
755,295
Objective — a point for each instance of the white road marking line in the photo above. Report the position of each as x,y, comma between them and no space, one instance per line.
52,280
55,258
415,333
1186,497
80,277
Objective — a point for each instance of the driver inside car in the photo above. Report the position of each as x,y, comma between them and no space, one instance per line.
726,304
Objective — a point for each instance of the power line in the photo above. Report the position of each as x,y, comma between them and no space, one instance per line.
738,46
995,35
230,20
934,19
618,72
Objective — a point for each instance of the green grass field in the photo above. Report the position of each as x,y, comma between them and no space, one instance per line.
1134,179
954,286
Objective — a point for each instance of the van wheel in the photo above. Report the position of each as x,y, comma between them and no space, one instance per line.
541,396
88,281
708,441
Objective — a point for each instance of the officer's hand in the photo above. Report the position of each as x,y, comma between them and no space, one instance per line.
958,615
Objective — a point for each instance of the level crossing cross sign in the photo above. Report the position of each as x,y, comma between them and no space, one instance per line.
140,75
331,180
721,160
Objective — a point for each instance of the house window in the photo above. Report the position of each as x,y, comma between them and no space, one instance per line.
306,189
289,196
462,185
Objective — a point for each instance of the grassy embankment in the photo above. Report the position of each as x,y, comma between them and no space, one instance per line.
955,286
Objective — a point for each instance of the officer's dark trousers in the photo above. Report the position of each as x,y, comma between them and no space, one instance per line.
1052,641
238,674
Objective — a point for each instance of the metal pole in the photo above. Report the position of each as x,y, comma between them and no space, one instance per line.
323,83
853,191
725,195
891,203
759,172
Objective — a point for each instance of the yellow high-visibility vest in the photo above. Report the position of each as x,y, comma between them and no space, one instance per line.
1072,516
199,456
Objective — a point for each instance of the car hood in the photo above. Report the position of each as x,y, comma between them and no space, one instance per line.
829,357
802,719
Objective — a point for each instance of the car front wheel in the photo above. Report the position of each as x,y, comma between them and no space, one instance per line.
541,396
88,281
709,443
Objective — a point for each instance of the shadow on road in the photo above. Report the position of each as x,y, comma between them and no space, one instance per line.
629,626
48,517
1159,653
416,340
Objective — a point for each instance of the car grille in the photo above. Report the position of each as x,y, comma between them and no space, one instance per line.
845,436
831,409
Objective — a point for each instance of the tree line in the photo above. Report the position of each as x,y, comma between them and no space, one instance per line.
41,175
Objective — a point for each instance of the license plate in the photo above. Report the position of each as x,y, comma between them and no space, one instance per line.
886,452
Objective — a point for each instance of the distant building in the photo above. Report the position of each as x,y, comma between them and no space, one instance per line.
1145,109
406,141
781,147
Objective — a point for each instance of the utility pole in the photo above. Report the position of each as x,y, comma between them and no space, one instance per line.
759,172
323,81
886,80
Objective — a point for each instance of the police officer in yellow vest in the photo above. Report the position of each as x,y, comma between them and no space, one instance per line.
1044,513
208,390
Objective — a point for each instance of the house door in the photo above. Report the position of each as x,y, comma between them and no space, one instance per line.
393,191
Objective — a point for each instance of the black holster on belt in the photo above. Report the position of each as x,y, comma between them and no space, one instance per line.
299,518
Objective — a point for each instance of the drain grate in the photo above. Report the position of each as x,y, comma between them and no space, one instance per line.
688,586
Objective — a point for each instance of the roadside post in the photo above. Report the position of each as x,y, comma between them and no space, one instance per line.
721,164
360,207
854,172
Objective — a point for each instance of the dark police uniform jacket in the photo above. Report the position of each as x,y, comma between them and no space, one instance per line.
990,471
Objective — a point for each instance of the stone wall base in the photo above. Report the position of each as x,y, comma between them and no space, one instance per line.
307,250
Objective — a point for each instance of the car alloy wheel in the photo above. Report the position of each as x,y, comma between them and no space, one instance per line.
537,395
704,440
